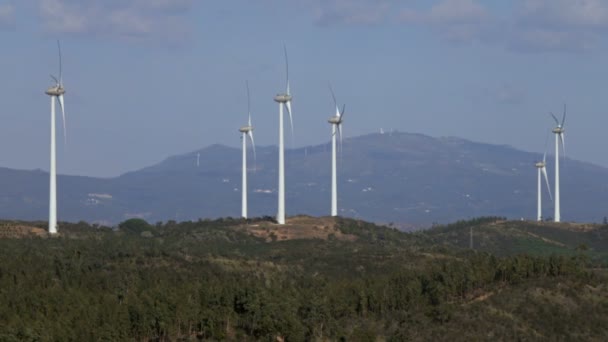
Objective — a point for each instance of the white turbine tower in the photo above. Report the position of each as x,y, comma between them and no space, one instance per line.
336,128
247,131
284,100
542,168
56,93
559,136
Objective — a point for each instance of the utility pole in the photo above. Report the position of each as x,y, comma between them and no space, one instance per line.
471,238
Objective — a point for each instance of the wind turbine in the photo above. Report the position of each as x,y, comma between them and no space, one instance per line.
284,100
559,136
247,131
56,93
336,128
542,168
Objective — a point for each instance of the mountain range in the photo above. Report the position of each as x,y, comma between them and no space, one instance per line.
403,178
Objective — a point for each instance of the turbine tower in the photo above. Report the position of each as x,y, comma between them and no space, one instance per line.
336,128
246,131
56,93
284,100
542,168
559,136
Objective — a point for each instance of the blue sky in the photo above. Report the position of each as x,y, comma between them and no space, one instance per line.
146,79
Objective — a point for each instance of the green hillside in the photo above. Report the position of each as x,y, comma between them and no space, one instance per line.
313,279
500,237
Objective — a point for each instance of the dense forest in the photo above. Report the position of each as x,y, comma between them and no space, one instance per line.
215,280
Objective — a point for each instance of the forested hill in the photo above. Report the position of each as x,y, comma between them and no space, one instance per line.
313,279
504,238
409,179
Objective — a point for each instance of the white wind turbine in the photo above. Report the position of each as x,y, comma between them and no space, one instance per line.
56,93
336,128
542,168
559,136
247,131
284,100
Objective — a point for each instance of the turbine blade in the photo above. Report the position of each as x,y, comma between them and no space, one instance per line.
342,112
554,118
55,79
545,157
547,141
561,137
544,170
250,132
340,132
564,117
248,103
333,96
286,67
288,106
62,105
250,135
60,63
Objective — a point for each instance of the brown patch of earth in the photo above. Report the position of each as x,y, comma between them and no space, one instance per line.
298,228
20,231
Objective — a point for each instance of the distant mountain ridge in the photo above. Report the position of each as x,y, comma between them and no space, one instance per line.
400,177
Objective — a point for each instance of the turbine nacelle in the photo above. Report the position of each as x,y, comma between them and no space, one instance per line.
540,165
56,90
558,130
246,129
335,120
282,98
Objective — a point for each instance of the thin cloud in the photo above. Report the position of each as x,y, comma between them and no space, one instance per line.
7,16
141,20
547,40
457,12
559,25
351,12
522,25
586,14
509,94
454,20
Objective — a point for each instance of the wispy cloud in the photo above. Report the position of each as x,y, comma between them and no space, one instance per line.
562,25
351,12
454,20
520,25
547,40
508,94
7,16
559,14
449,12
143,20
529,25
